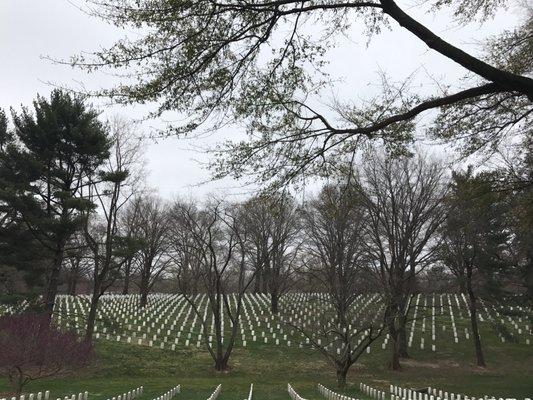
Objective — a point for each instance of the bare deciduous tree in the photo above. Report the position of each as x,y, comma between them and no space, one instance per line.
404,201
77,262
334,227
151,236
128,226
111,189
272,224
208,252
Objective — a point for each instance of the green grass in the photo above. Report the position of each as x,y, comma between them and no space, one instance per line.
120,367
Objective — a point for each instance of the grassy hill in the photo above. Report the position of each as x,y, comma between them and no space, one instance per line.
120,367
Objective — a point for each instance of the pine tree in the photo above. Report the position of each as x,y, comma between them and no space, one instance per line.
44,166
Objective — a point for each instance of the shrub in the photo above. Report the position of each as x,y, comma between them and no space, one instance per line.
31,348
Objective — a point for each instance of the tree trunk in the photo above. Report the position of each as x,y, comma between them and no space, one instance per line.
53,281
480,359
529,275
221,364
402,336
257,281
17,381
265,279
126,288
144,289
275,303
91,317
144,298
258,284
19,386
394,363
72,284
391,315
342,372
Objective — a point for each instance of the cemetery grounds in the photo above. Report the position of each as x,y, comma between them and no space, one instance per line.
160,347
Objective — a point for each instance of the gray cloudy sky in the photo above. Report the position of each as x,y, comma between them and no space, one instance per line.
30,29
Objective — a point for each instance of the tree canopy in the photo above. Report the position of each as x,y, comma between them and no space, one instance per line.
218,62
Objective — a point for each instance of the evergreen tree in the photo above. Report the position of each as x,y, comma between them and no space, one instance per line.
520,198
474,240
21,257
44,166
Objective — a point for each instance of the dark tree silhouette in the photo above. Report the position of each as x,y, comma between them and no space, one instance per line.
473,240
44,169
272,224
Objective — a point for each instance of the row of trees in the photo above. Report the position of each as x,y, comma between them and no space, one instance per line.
255,64
378,227
391,222
71,200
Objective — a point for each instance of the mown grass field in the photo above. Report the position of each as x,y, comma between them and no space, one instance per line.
120,367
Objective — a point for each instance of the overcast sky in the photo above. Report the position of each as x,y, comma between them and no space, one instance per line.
30,29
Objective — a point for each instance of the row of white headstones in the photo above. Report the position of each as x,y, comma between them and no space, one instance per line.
13,309
170,394
396,393
129,395
253,317
436,394
250,392
302,315
399,393
160,321
331,395
215,394
292,393
38,396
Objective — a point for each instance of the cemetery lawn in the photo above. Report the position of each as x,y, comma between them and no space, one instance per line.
120,367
